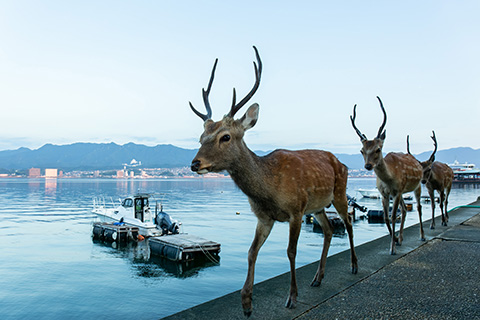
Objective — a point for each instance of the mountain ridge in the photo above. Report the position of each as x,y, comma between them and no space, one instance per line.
105,156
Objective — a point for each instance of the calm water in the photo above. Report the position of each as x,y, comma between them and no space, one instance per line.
51,269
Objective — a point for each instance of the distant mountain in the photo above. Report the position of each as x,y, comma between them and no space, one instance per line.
462,155
88,156
104,156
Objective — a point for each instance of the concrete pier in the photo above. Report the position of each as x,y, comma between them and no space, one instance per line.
434,279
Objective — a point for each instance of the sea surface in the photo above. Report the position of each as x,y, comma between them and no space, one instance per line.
50,268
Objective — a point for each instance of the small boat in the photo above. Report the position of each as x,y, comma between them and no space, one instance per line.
135,211
375,194
464,172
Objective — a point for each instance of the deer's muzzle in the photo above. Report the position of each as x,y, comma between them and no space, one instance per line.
195,165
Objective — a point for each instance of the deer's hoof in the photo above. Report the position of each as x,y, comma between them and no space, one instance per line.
354,269
315,283
291,303
247,313
432,226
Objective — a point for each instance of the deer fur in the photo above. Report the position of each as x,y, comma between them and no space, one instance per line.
281,186
436,176
397,173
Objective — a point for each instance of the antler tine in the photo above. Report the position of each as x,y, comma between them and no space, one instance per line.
432,157
205,94
258,73
352,118
380,131
408,144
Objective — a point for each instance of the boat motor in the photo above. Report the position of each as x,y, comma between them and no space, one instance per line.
165,223
352,202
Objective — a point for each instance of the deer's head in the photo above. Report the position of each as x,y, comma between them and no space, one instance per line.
371,149
222,141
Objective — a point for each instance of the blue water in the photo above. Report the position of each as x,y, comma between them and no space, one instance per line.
51,269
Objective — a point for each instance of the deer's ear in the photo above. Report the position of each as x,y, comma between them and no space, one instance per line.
250,117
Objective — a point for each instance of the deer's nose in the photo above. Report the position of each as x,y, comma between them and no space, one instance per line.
368,166
195,165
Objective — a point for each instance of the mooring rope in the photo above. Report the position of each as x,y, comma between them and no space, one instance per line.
207,254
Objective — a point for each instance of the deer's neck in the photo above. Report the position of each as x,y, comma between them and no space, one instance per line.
249,172
383,173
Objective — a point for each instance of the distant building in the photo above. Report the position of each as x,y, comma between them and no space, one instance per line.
34,173
51,173
120,174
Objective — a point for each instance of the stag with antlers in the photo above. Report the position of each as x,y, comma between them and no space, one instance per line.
281,186
397,173
436,176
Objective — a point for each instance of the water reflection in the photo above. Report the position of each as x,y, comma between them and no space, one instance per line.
151,266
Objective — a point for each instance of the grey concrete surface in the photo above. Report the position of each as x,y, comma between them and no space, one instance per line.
434,279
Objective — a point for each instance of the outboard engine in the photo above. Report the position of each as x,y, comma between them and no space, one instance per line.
352,202
165,223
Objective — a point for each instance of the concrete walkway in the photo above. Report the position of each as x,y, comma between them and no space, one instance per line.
434,279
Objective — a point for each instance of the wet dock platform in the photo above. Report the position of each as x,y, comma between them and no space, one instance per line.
433,279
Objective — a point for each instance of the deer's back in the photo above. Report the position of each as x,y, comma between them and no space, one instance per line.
405,170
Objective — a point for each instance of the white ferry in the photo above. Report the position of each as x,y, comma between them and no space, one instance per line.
465,172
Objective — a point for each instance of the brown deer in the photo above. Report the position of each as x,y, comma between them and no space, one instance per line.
397,173
436,176
281,186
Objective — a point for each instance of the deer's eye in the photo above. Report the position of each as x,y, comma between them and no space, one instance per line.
225,138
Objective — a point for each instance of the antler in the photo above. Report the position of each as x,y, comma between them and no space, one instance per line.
352,118
205,94
408,145
258,72
384,119
432,157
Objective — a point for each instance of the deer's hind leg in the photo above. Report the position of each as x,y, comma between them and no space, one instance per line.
342,209
418,193
327,229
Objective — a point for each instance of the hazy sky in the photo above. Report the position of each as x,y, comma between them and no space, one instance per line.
124,71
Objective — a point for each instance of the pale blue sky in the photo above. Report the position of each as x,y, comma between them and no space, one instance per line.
102,71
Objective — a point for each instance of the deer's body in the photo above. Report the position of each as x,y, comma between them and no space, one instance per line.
281,186
400,173
438,177
397,173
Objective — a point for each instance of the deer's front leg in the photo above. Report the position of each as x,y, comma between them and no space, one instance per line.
403,208
396,202
261,234
442,201
295,227
418,193
385,205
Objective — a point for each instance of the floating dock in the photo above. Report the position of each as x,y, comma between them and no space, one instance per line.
180,247
114,233
183,247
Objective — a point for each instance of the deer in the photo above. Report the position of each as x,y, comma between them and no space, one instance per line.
397,173
281,186
436,176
